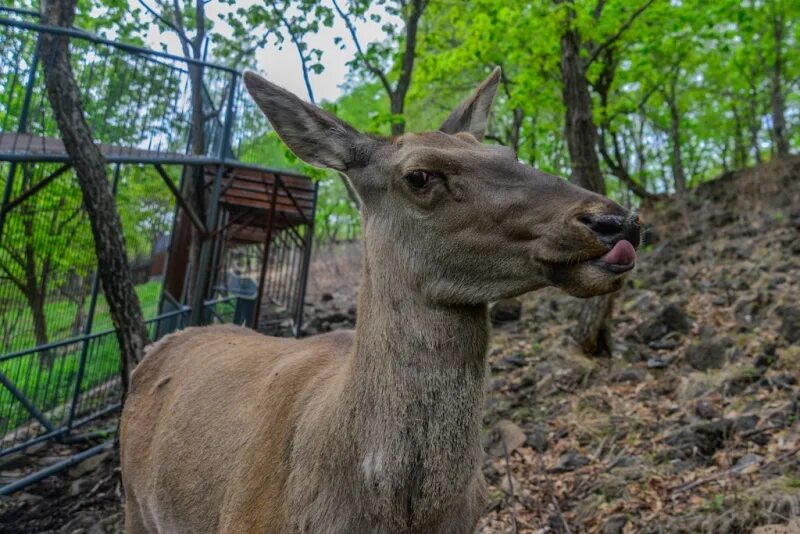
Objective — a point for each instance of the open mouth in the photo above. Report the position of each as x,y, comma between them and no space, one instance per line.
620,259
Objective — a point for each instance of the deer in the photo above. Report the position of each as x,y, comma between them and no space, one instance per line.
377,429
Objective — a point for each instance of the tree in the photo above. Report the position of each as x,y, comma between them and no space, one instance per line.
89,164
370,59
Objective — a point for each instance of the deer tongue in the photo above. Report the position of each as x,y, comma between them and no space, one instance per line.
623,253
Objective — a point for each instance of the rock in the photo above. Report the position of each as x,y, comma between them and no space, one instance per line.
79,486
569,462
509,437
630,374
88,465
745,423
326,297
676,319
506,310
747,460
615,524
511,361
706,410
790,322
702,439
671,319
709,353
739,383
656,362
537,438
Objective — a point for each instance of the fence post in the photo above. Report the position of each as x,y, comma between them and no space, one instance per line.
265,258
309,242
201,270
87,328
21,128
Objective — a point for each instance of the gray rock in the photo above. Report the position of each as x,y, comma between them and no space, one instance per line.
746,460
506,310
709,353
706,410
569,462
790,322
509,437
537,438
615,524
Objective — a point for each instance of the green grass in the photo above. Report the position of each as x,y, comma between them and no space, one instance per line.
49,380
60,314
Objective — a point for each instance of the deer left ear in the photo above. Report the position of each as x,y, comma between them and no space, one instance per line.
473,114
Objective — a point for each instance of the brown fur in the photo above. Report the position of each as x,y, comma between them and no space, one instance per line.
376,430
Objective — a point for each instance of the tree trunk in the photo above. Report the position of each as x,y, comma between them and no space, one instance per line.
89,164
397,98
593,332
579,126
36,304
678,173
778,114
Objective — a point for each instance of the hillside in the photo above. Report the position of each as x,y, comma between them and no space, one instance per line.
691,426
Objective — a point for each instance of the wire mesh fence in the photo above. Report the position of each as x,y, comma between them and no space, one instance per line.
59,357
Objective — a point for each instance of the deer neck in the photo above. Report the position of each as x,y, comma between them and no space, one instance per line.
415,393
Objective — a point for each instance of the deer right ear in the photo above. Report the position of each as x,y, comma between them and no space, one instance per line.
473,114
313,134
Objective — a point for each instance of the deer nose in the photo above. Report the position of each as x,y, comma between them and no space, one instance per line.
613,228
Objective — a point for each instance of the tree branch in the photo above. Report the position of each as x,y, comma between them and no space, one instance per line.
370,67
159,18
298,45
622,29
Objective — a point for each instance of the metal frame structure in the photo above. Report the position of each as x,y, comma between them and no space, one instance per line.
247,205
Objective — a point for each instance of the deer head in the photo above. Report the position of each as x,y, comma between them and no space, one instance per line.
459,221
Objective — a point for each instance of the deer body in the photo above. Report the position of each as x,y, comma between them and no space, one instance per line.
377,430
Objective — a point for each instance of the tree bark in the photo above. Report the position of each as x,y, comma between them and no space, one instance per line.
678,172
593,331
778,113
397,98
579,126
89,164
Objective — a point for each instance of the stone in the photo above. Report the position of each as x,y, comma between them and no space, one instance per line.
80,486
569,462
790,322
656,362
676,319
506,310
630,375
745,423
509,437
702,439
749,459
537,438
709,353
706,410
615,524
88,465
326,297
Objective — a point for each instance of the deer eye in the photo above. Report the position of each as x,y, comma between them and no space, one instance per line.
419,179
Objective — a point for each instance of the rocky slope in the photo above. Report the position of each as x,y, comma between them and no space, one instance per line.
690,427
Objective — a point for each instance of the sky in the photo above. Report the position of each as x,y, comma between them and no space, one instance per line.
283,66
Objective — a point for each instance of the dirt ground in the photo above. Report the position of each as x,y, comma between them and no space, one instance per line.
691,425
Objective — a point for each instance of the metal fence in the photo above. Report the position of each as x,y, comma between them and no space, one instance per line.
59,359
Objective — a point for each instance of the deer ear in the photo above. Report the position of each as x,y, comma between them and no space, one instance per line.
314,135
473,114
